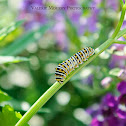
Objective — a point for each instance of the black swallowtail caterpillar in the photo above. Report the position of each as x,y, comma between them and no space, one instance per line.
66,67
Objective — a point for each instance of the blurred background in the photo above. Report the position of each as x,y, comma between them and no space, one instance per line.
48,36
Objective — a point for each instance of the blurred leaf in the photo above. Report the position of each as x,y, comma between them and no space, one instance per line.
119,53
121,33
11,37
11,59
110,51
8,117
91,91
104,55
72,32
5,31
2,71
4,96
84,88
20,44
114,71
85,73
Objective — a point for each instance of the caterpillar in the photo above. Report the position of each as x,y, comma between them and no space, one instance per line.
66,67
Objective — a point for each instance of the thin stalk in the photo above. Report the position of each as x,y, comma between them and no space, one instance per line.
120,22
119,42
121,2
39,103
56,86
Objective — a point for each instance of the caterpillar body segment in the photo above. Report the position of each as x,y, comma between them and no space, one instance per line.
66,67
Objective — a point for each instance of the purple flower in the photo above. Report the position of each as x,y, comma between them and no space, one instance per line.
110,101
112,110
59,31
122,87
61,3
113,121
121,114
70,2
122,99
121,111
92,19
97,1
34,16
112,4
93,110
117,61
96,122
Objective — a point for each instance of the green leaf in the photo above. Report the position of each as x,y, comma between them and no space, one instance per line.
21,43
11,59
8,117
84,88
119,53
4,96
72,32
121,33
5,31
114,71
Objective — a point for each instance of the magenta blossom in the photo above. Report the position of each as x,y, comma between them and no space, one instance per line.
122,89
111,111
29,11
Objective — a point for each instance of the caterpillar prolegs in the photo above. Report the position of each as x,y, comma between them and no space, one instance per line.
66,67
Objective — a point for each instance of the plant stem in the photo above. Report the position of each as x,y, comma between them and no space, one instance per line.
120,22
120,42
120,34
39,103
121,2
56,86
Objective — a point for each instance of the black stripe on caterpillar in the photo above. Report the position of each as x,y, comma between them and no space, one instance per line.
66,67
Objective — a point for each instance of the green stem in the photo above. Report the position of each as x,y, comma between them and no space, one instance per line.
56,86
120,22
120,42
121,2
39,103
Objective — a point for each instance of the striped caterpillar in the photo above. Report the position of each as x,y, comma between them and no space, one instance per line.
66,67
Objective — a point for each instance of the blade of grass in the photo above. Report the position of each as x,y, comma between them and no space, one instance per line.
11,59
21,43
5,31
